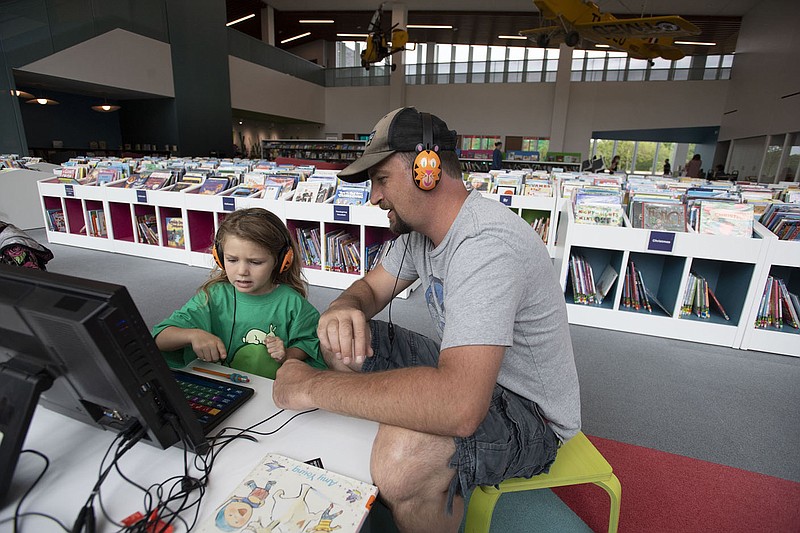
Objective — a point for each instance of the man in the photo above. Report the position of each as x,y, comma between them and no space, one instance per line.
497,156
499,392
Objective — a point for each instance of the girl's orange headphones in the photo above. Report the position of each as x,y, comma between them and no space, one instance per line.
286,252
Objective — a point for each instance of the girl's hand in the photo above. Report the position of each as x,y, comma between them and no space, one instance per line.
207,346
276,348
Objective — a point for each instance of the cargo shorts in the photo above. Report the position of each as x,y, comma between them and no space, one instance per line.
514,440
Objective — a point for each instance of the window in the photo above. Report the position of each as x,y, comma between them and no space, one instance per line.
793,159
604,148
769,169
645,156
666,151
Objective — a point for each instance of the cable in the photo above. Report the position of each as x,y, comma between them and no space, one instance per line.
17,515
228,357
396,279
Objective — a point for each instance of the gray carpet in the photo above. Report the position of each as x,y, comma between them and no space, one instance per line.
734,407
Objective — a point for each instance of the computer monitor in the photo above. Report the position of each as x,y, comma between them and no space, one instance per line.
598,164
81,348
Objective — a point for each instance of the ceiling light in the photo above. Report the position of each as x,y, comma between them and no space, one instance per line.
695,43
316,21
522,37
21,94
353,35
601,46
105,107
306,34
42,101
237,21
429,26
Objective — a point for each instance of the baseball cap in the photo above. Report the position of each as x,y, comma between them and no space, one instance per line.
398,131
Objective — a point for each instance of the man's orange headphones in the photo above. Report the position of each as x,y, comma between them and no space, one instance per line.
427,165
286,253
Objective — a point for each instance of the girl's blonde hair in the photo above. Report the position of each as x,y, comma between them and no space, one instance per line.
265,229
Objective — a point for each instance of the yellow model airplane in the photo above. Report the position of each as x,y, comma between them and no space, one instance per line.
643,38
382,44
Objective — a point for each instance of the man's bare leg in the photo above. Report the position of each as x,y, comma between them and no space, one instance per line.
412,473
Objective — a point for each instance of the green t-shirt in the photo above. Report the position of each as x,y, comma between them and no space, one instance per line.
243,321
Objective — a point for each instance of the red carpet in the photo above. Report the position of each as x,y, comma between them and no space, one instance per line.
663,492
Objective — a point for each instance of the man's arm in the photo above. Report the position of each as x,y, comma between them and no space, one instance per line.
450,400
343,330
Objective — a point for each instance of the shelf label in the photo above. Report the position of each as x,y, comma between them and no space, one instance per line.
228,203
141,196
341,213
505,199
69,190
661,241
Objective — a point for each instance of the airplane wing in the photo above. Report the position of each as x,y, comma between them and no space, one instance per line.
669,26
553,34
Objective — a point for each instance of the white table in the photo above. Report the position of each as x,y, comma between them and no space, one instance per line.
76,449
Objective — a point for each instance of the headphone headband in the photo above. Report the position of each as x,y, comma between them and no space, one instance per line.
427,131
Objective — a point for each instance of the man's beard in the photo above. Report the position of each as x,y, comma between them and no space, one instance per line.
399,226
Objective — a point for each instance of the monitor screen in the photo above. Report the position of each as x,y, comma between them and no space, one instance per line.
82,348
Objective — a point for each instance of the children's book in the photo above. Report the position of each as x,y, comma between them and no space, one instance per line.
175,237
282,495
307,191
213,185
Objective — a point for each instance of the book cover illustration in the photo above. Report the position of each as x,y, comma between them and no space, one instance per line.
722,218
282,495
213,185
307,191
175,237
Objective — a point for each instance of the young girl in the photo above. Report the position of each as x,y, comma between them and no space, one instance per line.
251,314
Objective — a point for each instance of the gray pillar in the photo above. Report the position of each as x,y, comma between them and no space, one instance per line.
397,79
268,25
199,43
12,131
558,122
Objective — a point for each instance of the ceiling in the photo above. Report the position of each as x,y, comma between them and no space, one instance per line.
478,21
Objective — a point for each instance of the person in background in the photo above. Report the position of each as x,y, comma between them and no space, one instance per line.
477,405
667,168
497,157
252,314
614,166
694,167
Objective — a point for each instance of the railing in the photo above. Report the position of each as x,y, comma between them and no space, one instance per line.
255,51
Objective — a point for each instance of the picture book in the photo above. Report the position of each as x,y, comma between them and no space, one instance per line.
347,194
174,232
306,191
723,218
282,495
213,185
273,192
664,216
606,281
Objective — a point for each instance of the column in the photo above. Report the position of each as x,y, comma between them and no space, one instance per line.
12,131
268,25
199,45
558,122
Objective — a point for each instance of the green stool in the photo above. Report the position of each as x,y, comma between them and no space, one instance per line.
577,462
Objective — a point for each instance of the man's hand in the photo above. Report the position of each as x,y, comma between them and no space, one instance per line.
207,346
292,381
344,335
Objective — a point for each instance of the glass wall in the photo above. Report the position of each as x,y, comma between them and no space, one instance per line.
769,170
792,158
596,65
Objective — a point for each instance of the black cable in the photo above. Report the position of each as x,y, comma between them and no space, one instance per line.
17,515
228,357
396,279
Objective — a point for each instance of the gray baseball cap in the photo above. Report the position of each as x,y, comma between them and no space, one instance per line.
399,131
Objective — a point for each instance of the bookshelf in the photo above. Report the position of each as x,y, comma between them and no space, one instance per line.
782,261
731,265
483,165
125,210
331,151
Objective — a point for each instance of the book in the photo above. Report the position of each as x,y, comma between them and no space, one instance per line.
347,194
607,279
175,237
213,185
664,216
285,495
725,218
306,191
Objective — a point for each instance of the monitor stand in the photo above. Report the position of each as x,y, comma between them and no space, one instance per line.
21,383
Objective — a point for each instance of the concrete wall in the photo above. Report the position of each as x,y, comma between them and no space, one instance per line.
765,69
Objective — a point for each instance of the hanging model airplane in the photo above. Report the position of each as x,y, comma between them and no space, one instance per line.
381,44
642,38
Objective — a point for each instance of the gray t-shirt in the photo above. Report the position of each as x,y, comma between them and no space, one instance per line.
491,281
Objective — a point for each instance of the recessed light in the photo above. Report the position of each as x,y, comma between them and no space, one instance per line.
521,37
306,34
601,46
353,35
695,43
316,21
231,23
429,26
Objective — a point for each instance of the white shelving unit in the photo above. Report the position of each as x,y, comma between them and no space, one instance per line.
782,261
531,207
202,215
731,265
